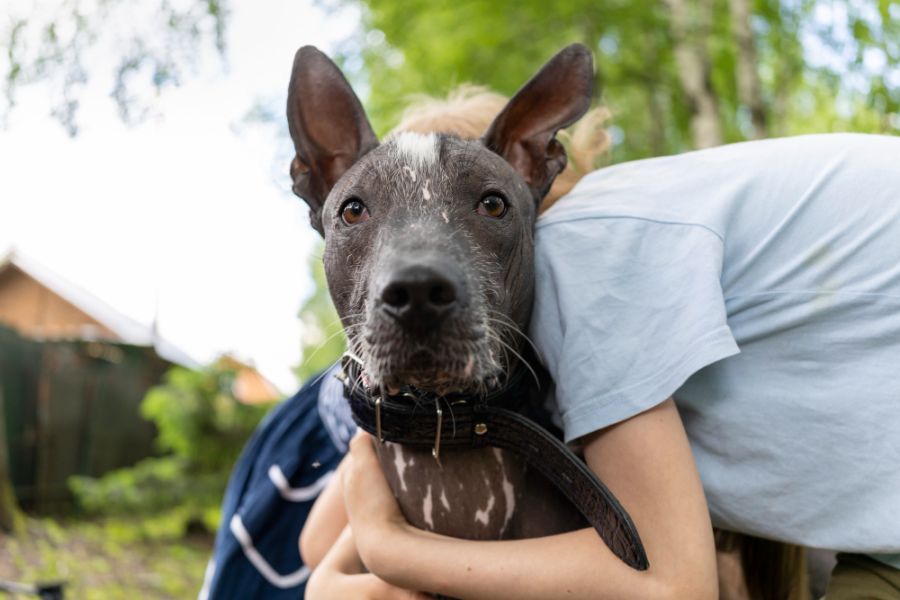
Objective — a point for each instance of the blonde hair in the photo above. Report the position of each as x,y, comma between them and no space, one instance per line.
469,109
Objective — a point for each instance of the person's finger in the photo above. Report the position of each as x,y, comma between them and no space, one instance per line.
361,445
364,483
372,509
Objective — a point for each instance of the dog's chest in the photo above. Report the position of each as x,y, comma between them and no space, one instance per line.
481,494
470,493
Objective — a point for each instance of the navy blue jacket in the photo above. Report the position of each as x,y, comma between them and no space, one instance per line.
283,468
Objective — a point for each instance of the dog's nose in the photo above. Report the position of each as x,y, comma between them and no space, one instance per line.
419,295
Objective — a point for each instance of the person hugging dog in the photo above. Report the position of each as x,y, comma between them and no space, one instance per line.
722,327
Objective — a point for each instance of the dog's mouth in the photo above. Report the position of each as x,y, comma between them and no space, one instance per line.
429,372
454,364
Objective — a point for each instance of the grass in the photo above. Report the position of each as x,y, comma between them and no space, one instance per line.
104,560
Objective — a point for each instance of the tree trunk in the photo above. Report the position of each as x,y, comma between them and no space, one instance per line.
689,33
657,120
11,519
749,86
651,81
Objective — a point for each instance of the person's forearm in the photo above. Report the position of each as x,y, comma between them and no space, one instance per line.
645,460
340,575
325,522
571,565
342,554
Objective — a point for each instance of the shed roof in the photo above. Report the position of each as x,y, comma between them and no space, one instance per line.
126,329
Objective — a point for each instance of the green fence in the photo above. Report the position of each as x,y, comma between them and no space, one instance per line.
72,408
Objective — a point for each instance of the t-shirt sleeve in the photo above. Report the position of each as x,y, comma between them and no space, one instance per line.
626,310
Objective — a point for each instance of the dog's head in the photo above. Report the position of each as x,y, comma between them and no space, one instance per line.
428,238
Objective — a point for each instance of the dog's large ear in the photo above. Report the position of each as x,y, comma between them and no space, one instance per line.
557,96
328,125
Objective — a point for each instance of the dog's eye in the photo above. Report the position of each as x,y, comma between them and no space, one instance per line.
492,205
353,211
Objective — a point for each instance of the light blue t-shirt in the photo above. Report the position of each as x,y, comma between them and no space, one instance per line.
758,283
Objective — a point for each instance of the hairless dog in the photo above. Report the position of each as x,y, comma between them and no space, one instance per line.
429,261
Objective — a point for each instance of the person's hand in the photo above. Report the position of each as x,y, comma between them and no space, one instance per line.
341,575
371,507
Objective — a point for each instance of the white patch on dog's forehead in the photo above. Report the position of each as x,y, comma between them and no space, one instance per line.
418,149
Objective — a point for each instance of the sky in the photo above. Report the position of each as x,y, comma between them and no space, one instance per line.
186,218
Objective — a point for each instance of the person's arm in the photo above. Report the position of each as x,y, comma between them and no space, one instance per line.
646,461
341,576
325,522
328,549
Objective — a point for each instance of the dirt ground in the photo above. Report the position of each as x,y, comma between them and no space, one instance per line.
103,560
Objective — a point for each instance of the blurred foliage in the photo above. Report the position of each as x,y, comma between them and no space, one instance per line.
97,561
201,429
820,66
141,47
323,339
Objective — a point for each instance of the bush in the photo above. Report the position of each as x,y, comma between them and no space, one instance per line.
202,428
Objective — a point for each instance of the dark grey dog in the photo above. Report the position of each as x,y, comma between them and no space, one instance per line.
428,255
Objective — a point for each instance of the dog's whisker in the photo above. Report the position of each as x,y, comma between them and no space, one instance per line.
349,318
324,373
522,359
324,343
357,383
504,364
511,326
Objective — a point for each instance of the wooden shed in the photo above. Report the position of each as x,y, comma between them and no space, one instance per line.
73,372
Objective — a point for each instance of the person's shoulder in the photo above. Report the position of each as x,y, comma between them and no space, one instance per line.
788,154
697,187
616,191
663,190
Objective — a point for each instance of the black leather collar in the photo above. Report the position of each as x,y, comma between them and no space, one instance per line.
415,419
